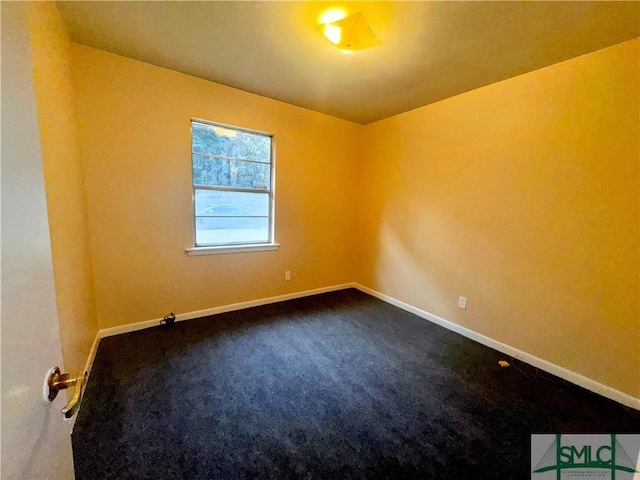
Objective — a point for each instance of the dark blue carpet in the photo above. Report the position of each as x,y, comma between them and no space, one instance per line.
339,385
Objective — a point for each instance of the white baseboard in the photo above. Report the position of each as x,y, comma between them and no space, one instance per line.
573,377
132,327
87,369
92,354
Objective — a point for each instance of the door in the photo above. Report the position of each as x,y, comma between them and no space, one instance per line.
36,442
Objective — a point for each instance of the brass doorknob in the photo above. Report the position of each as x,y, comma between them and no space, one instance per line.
60,381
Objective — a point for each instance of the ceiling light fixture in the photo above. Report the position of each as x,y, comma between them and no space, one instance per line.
350,33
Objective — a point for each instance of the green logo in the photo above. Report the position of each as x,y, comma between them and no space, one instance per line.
585,455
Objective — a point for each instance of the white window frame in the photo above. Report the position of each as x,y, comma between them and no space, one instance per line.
238,247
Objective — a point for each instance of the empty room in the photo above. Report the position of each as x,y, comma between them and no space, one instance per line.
317,240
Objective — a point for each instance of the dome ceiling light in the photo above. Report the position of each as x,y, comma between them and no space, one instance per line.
350,33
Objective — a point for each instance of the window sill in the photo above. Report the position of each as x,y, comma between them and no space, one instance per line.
259,247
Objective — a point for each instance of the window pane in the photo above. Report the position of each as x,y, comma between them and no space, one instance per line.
213,231
214,140
230,173
213,203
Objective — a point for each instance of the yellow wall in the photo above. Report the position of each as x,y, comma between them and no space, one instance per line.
135,137
524,197
64,182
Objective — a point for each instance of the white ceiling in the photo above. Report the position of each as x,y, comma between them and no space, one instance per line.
431,50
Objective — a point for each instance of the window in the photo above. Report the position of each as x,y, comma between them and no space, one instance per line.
232,185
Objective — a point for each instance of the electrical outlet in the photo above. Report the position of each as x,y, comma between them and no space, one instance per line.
287,275
462,303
